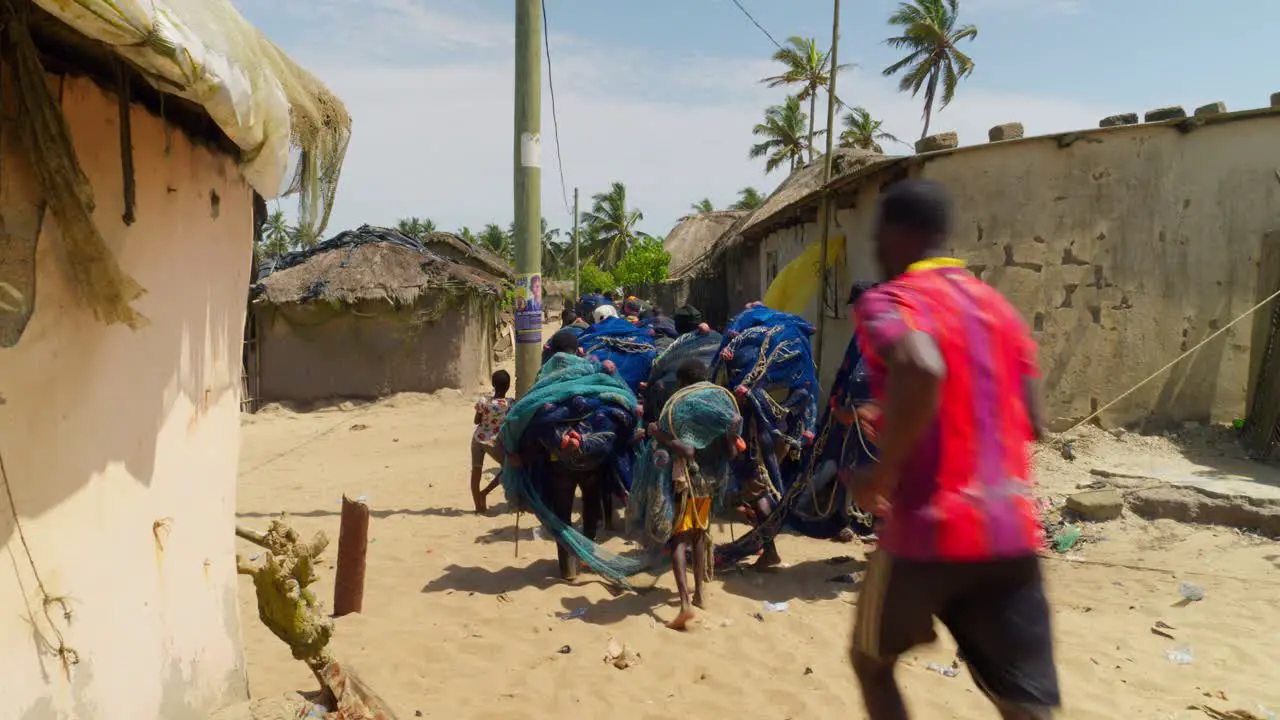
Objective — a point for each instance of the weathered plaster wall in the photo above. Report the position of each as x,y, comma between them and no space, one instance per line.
1122,250
313,352
121,446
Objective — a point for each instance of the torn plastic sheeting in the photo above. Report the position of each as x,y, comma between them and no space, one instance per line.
209,54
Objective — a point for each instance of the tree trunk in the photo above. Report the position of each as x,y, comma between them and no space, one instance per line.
813,105
930,94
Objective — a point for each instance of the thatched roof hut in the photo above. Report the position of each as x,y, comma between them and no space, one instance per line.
783,205
454,247
694,236
368,313
369,263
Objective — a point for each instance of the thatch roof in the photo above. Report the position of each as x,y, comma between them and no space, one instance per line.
693,236
203,54
369,263
453,246
786,203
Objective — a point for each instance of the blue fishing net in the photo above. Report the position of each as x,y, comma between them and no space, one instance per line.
630,348
572,394
664,330
588,303
766,359
662,375
703,416
815,503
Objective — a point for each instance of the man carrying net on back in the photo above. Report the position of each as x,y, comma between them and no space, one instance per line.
682,470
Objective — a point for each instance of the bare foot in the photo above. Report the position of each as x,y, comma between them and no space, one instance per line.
682,620
481,505
768,559
699,602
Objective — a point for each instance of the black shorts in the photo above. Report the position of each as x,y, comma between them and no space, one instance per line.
996,611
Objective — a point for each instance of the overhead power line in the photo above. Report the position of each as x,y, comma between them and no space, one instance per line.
772,39
555,120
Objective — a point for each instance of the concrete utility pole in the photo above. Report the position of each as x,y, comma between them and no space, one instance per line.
528,192
824,207
577,267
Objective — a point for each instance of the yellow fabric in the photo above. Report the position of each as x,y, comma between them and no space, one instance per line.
695,514
935,263
799,282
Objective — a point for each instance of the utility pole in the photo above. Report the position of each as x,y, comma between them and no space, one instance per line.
528,192
824,204
577,267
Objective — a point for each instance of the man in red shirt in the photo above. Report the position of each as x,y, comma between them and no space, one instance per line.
953,368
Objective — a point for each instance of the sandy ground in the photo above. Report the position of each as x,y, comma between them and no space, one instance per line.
455,625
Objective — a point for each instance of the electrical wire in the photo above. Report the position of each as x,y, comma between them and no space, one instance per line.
555,120
839,103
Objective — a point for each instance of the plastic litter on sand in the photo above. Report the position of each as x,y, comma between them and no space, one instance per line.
1190,592
1180,655
777,606
950,671
572,614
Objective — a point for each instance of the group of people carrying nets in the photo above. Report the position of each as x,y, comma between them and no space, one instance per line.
681,423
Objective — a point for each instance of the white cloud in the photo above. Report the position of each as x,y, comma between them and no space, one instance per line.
433,135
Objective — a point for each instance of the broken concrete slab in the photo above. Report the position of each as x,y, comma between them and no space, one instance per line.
1213,108
1117,120
1097,505
1227,478
1194,505
1173,112
1005,131
941,141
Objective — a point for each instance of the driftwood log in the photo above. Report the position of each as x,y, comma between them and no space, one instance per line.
285,604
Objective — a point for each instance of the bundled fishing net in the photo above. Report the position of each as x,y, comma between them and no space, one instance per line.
630,348
572,397
705,417
588,303
664,331
767,360
814,502
662,382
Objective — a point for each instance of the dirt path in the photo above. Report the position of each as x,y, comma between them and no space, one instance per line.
455,626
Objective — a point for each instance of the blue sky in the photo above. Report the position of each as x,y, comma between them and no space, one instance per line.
662,94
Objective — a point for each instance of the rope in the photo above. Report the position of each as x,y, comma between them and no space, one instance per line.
345,419
1171,363
66,655
1162,571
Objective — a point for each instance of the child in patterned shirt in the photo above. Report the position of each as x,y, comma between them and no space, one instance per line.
491,410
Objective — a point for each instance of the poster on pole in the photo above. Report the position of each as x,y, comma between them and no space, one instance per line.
528,308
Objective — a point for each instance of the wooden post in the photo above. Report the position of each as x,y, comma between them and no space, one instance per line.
353,544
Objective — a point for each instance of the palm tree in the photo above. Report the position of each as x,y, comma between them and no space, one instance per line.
806,66
466,234
863,131
556,255
783,131
496,240
930,34
702,206
416,227
277,235
749,198
612,224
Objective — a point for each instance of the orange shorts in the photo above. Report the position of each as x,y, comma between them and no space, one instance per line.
695,514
